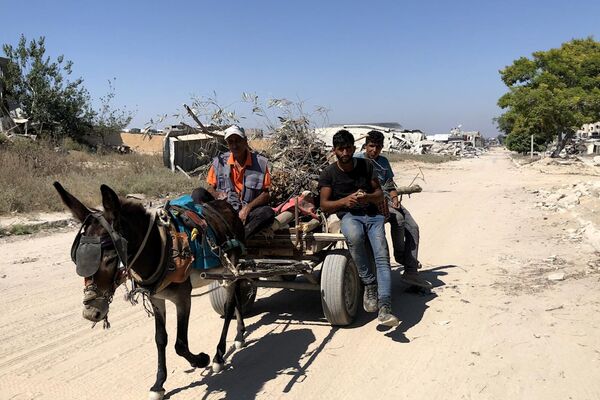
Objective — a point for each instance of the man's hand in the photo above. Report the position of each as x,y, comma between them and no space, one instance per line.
362,197
395,199
244,213
351,201
220,195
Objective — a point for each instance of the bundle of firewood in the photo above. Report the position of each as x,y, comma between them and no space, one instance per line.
297,158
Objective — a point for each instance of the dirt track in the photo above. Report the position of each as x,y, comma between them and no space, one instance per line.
493,328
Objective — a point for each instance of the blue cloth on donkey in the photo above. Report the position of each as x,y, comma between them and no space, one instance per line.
204,257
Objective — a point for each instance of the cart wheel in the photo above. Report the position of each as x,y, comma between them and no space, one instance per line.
339,288
218,296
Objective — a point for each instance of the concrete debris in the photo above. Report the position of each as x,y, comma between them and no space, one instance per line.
567,197
397,140
582,203
556,276
457,148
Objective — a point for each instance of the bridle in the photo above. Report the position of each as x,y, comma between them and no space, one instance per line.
87,250
86,253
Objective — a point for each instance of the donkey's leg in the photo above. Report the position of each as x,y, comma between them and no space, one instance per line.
157,391
218,361
183,302
241,326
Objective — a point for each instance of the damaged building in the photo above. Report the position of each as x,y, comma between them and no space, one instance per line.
395,138
589,138
456,143
186,149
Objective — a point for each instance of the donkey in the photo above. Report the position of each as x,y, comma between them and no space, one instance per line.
125,232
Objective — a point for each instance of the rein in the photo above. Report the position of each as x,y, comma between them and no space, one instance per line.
150,226
159,270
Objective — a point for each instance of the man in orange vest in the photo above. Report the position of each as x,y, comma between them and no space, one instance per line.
242,177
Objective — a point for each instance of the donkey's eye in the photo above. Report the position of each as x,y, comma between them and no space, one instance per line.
110,258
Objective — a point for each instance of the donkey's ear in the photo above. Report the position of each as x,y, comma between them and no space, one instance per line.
77,208
111,203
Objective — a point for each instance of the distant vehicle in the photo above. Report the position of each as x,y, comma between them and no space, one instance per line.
135,130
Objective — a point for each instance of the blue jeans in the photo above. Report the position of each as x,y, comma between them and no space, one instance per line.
357,229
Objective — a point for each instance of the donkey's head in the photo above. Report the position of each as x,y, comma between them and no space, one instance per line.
100,248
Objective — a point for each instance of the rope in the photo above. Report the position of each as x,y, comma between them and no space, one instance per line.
133,294
225,261
105,323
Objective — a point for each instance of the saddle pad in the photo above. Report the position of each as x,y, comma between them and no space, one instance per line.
204,257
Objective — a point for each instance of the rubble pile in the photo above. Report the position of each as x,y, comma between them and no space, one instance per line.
567,197
573,165
457,149
582,201
396,140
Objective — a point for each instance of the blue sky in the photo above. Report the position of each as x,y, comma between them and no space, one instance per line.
429,65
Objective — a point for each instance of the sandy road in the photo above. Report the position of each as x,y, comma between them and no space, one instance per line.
493,328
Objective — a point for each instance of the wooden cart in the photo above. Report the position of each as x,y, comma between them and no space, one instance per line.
322,259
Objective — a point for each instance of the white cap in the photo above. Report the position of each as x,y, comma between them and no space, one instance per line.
235,130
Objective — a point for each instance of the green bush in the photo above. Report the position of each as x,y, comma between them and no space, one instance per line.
521,142
69,144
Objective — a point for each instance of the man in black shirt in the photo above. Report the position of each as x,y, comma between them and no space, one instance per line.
349,187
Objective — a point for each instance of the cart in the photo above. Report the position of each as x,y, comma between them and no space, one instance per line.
276,262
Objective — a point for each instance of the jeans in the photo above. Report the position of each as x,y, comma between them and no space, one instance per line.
357,229
405,238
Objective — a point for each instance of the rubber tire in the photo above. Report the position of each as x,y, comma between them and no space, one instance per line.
218,297
340,288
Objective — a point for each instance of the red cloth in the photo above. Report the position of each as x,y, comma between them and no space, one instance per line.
306,205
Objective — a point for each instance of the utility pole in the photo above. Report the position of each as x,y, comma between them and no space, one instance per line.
531,147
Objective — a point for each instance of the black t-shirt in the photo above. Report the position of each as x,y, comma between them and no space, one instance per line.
343,184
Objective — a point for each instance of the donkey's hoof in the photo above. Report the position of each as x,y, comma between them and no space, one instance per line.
217,367
200,360
239,344
156,395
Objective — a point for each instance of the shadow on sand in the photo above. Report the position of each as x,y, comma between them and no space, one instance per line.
410,303
284,351
280,351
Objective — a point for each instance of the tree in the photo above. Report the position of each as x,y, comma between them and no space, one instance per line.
551,95
107,119
55,106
